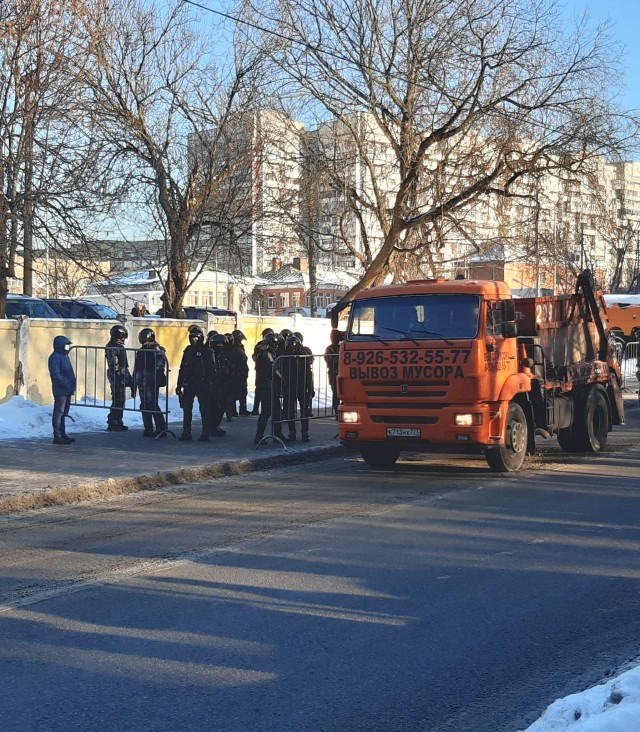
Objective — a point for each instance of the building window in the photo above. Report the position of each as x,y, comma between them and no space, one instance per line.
295,300
284,300
271,301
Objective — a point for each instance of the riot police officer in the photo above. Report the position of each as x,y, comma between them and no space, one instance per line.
269,386
118,376
195,380
297,376
220,386
331,360
259,347
149,376
238,374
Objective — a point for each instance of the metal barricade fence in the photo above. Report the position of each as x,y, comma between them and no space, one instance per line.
303,390
629,366
93,386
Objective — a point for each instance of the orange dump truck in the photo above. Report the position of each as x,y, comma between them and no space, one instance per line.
460,366
623,314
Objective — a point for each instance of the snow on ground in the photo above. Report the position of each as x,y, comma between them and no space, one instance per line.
613,706
610,707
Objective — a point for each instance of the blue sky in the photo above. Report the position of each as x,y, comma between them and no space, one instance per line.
625,17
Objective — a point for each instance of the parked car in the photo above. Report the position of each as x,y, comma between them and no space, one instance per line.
87,309
193,312
33,307
306,312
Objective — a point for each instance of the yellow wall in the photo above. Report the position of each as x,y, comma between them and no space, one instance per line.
7,358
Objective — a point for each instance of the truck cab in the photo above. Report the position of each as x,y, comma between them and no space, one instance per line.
436,365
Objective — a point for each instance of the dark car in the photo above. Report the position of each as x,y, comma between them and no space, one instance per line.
85,309
33,307
193,312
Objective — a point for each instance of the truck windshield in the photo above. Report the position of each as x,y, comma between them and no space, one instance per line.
415,318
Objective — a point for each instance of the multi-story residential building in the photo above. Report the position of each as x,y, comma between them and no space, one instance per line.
295,190
254,212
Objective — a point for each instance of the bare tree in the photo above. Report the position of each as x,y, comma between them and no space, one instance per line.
470,97
167,109
50,164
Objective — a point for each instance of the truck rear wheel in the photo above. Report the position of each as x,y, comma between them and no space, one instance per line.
509,457
592,427
380,456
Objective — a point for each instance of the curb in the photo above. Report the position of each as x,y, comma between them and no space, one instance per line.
165,479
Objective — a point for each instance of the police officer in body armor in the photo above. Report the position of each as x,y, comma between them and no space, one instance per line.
239,373
220,385
195,379
149,376
297,376
260,345
118,375
331,360
306,351
268,386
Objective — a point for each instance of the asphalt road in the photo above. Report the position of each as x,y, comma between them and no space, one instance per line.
438,597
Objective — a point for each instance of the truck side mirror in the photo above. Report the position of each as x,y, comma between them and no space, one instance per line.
510,329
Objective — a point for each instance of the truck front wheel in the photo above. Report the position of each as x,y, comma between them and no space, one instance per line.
380,456
509,457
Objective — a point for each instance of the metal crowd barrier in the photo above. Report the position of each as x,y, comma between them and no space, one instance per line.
630,366
303,390
94,390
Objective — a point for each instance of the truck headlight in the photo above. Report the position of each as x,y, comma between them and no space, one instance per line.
467,420
349,417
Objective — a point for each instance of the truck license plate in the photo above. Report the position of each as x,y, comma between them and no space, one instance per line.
403,432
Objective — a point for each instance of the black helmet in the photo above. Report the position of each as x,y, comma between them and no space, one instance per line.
118,333
266,332
146,335
293,345
196,333
238,336
299,335
218,341
211,333
273,340
286,333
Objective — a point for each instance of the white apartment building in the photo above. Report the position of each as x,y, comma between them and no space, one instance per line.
257,205
294,188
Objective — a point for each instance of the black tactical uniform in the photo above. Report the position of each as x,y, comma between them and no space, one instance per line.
149,376
118,375
195,380
220,386
268,386
297,378
258,347
238,374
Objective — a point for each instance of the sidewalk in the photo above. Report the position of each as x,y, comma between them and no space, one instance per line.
37,473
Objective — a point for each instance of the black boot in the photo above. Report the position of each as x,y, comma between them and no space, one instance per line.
161,425
147,421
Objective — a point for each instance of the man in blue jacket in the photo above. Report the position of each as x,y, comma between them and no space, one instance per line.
63,385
